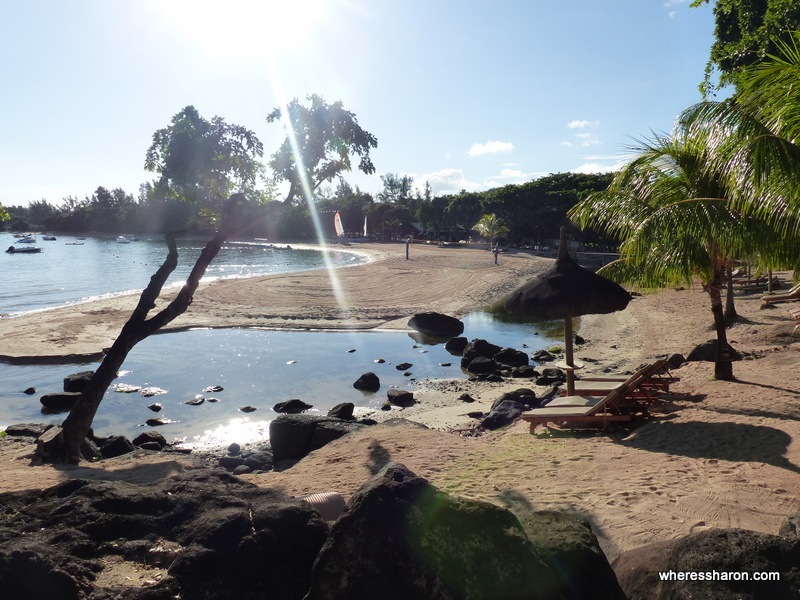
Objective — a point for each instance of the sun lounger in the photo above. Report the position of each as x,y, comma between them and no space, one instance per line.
654,376
787,296
586,410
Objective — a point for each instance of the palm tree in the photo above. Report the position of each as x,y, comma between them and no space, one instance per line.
673,214
492,227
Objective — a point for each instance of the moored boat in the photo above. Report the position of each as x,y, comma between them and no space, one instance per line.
23,249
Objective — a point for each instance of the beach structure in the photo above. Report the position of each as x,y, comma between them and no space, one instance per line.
565,291
787,296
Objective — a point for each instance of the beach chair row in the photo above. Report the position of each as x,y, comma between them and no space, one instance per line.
790,295
605,399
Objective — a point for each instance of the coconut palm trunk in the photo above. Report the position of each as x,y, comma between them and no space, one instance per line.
723,362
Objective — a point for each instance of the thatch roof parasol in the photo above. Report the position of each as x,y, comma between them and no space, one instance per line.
564,291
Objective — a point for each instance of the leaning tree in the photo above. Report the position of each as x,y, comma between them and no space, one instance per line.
64,444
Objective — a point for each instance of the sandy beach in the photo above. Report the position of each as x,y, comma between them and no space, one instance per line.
715,454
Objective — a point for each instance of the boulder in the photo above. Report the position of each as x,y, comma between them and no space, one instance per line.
368,382
294,436
292,407
456,345
436,324
60,401
476,348
399,538
33,430
400,397
568,545
480,365
212,535
150,437
721,551
543,356
509,357
790,528
342,411
116,445
707,352
524,396
525,372
502,414
77,381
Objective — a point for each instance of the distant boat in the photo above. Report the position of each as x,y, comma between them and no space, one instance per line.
126,239
27,239
48,237
342,235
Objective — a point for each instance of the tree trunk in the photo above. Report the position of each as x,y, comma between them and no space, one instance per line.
66,447
723,365
730,309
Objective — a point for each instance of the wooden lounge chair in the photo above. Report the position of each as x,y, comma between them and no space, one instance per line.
655,376
593,411
787,296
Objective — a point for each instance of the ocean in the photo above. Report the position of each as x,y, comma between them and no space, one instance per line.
255,368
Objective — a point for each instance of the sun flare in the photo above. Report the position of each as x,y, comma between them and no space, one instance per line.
251,28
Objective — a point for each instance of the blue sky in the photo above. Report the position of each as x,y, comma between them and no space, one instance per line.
465,94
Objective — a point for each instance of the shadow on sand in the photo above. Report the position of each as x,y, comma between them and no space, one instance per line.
736,442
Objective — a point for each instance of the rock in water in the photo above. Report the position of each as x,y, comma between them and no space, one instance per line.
291,407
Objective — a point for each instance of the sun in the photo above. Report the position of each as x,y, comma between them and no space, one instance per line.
244,28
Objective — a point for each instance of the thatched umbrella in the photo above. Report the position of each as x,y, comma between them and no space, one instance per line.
564,291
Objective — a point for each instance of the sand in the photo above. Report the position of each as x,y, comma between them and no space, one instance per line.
715,453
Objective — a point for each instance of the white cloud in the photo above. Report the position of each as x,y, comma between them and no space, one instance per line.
578,124
490,148
450,181
591,168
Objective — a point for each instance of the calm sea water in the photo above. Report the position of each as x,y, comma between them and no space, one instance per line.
255,368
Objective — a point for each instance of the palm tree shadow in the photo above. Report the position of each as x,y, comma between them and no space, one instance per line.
734,442
767,386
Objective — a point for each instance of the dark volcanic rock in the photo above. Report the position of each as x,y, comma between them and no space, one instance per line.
291,407
456,345
218,537
33,430
400,397
294,436
509,357
116,445
715,550
441,547
58,402
342,411
77,381
369,382
476,348
150,437
567,544
707,352
480,365
436,324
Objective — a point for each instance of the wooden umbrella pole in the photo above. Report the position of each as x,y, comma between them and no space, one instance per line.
568,356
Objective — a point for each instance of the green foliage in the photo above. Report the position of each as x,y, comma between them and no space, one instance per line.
203,161
746,32
4,216
491,227
319,142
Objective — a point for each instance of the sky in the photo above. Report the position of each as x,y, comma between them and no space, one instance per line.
463,94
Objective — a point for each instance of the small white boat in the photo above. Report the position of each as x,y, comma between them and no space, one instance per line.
23,249
49,238
28,239
122,239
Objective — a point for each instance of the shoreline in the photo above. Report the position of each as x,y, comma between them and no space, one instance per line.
381,293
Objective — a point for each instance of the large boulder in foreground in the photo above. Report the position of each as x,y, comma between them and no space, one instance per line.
401,538
294,436
203,534
721,551
568,544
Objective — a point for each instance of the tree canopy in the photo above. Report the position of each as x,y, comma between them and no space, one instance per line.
203,161
746,32
320,139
